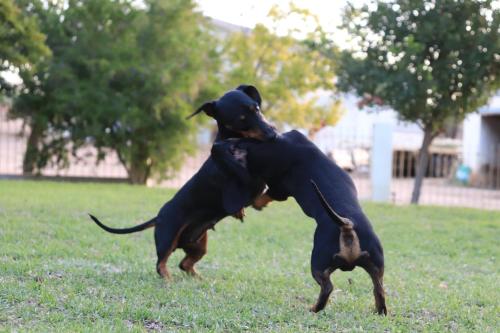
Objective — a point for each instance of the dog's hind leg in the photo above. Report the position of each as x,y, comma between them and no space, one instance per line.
166,239
377,275
194,252
322,263
322,277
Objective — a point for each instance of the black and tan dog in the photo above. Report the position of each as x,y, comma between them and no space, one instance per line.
209,195
344,237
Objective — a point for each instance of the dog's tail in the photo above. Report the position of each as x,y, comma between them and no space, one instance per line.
136,228
329,210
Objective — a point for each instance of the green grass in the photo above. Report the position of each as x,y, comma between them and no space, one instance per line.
59,272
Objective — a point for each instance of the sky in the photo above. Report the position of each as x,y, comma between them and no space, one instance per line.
249,12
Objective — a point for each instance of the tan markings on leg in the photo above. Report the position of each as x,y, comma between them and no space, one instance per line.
379,292
323,279
261,201
187,265
194,253
350,251
162,269
240,215
162,265
377,275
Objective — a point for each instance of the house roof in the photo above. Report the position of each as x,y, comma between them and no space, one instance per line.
223,29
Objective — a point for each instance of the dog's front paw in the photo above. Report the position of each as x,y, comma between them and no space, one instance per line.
240,215
167,279
261,201
257,207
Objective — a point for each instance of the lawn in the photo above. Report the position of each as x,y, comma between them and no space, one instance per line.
60,272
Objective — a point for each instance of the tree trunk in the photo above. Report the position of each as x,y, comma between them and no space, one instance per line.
138,173
32,152
422,163
140,166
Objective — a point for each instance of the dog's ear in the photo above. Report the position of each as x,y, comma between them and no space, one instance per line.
208,108
252,92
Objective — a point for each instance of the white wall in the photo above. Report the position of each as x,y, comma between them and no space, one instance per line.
355,128
489,139
481,133
470,142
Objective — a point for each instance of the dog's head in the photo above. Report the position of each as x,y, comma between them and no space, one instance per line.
238,115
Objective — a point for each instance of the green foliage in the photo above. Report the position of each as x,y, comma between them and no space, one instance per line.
21,42
285,68
60,272
428,60
122,78
433,62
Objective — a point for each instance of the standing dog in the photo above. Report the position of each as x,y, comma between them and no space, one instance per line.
344,237
209,195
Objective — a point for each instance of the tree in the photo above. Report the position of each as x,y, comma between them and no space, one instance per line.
33,75
122,78
285,68
21,42
431,61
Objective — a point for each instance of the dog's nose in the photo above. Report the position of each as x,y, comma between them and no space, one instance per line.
269,132
271,136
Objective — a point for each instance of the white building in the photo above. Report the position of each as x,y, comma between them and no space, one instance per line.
481,140
350,141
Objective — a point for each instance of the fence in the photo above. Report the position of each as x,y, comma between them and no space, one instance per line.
350,149
83,166
441,186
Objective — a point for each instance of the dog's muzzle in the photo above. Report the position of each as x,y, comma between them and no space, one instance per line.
262,135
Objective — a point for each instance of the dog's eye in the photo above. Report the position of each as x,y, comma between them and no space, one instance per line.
254,108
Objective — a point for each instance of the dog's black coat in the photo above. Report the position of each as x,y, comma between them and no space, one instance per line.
209,195
288,164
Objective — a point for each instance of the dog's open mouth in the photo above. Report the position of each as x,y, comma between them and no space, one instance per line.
266,134
261,135
252,134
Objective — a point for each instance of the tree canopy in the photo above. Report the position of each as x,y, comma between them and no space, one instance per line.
431,61
285,68
123,78
21,42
